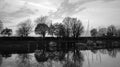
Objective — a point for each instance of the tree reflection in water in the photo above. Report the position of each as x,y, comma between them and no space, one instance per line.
41,57
110,52
73,58
45,56
23,60
1,59
94,51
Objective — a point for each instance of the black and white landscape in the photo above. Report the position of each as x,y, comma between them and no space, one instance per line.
59,33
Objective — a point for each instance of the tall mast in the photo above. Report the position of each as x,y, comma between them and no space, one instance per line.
87,31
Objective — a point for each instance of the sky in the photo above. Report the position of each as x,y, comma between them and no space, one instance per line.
96,13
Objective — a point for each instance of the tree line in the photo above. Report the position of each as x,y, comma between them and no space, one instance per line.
70,27
110,31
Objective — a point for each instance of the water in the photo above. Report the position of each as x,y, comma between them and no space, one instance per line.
75,58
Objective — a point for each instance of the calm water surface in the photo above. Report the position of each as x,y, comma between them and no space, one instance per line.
85,58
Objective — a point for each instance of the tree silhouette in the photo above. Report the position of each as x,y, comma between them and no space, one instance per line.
77,28
24,29
118,33
67,22
41,29
6,31
73,27
111,30
102,32
59,30
93,32
51,29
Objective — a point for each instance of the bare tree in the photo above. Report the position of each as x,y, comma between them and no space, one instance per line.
25,28
67,23
73,27
42,19
77,27
51,29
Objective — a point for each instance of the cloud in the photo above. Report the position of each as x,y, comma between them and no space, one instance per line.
22,12
8,17
70,7
10,11
3,4
40,6
22,8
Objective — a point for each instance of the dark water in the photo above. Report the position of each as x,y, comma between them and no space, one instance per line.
65,58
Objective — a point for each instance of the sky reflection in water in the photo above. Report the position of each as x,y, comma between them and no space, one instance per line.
90,58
